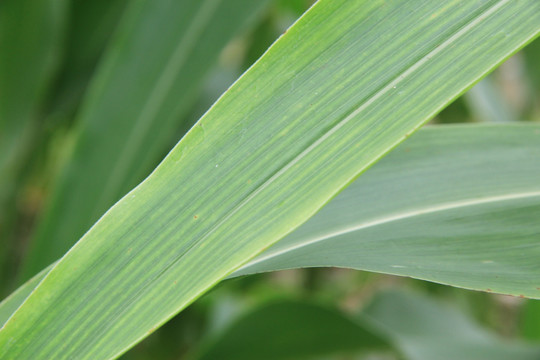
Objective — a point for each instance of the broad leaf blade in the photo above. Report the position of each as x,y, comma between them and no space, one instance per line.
457,205
324,103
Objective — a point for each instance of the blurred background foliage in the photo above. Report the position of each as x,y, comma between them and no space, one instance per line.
55,53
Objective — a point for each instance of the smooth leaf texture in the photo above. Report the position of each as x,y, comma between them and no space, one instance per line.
148,80
425,329
292,330
441,168
457,205
345,85
487,161
13,301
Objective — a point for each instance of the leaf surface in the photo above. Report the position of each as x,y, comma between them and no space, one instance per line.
457,205
146,83
338,91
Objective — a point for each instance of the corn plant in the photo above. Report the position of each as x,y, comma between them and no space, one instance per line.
118,249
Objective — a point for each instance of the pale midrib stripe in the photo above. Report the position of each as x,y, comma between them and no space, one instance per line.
164,83
396,217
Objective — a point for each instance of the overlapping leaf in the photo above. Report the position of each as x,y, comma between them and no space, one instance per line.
457,205
347,83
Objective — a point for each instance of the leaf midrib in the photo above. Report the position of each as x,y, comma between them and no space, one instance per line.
397,217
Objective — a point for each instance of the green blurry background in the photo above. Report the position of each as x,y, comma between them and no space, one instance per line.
78,77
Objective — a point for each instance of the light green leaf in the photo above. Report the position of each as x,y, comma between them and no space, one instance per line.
425,329
487,161
457,205
339,90
148,80
292,330
13,301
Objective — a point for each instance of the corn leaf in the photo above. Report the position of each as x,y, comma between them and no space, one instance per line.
486,161
141,92
346,84
13,301
457,205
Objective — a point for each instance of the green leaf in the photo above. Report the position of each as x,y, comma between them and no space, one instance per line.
425,329
30,43
530,57
12,302
90,27
420,327
339,90
487,161
30,37
530,320
457,205
292,330
148,80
